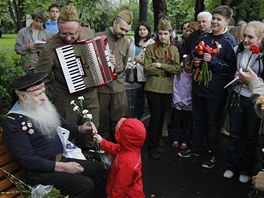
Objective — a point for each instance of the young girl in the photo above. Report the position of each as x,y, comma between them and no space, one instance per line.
208,93
244,123
181,124
125,177
161,62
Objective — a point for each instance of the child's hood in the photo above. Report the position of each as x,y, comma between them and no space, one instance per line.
131,134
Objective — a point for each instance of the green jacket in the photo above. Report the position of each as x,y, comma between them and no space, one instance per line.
119,48
160,80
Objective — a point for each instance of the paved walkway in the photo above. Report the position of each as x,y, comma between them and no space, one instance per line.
176,177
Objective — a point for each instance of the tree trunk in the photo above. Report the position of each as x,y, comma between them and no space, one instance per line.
199,7
159,6
16,12
143,10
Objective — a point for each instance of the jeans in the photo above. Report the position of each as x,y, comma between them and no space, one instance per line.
206,122
244,125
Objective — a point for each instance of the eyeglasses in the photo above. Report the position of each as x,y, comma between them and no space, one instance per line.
64,34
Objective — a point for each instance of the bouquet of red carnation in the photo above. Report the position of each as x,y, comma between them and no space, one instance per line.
205,75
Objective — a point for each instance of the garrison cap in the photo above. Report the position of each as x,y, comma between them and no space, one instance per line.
164,24
69,13
39,12
29,82
127,16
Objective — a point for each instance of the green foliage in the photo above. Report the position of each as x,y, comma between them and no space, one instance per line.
180,11
10,70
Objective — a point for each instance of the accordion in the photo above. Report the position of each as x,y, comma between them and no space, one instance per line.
86,64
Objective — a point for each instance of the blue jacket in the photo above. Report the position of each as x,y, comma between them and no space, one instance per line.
222,66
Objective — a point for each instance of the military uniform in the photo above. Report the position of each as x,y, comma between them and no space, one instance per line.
159,86
48,62
40,150
37,156
112,97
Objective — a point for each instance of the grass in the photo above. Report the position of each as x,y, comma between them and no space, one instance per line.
7,43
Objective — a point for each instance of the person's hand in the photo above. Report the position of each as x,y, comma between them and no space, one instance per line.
246,76
69,167
112,59
258,181
137,59
87,128
207,57
31,46
158,65
181,104
98,138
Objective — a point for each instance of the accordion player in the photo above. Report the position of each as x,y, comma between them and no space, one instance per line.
86,64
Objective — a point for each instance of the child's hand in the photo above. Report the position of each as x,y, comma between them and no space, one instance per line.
97,138
181,104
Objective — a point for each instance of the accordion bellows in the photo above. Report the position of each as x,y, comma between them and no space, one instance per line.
86,64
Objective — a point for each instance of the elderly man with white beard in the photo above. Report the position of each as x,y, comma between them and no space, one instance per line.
30,131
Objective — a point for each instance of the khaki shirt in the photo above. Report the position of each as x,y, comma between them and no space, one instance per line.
48,62
160,80
119,48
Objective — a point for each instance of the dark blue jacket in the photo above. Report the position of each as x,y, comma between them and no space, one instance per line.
32,150
222,66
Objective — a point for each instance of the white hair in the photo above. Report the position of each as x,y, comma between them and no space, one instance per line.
208,15
44,116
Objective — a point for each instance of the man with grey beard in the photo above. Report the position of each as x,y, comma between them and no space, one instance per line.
30,131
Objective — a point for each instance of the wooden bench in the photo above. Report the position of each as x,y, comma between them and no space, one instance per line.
8,163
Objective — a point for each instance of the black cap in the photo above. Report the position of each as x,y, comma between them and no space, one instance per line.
25,82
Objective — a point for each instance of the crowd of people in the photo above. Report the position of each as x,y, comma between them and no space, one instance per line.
187,75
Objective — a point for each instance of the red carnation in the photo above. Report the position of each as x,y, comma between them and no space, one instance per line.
255,49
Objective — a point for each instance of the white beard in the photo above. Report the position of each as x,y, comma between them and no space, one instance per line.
44,116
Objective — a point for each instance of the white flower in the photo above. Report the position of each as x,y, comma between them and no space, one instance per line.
76,108
85,111
72,102
80,98
88,116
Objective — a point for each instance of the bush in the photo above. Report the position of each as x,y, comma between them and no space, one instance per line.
10,70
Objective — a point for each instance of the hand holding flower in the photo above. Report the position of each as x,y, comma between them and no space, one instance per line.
207,57
98,138
87,128
247,76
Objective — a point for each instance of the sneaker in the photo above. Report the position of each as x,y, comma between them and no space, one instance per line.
244,179
154,155
175,144
228,174
209,161
188,153
183,146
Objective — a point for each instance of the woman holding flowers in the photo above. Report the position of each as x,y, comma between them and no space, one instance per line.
244,123
213,62
161,62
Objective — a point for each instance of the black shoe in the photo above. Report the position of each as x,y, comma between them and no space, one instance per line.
209,161
154,155
188,153
160,149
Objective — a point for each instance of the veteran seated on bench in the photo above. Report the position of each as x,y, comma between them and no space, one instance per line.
31,133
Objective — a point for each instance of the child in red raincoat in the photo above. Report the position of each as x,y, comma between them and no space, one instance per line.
125,177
